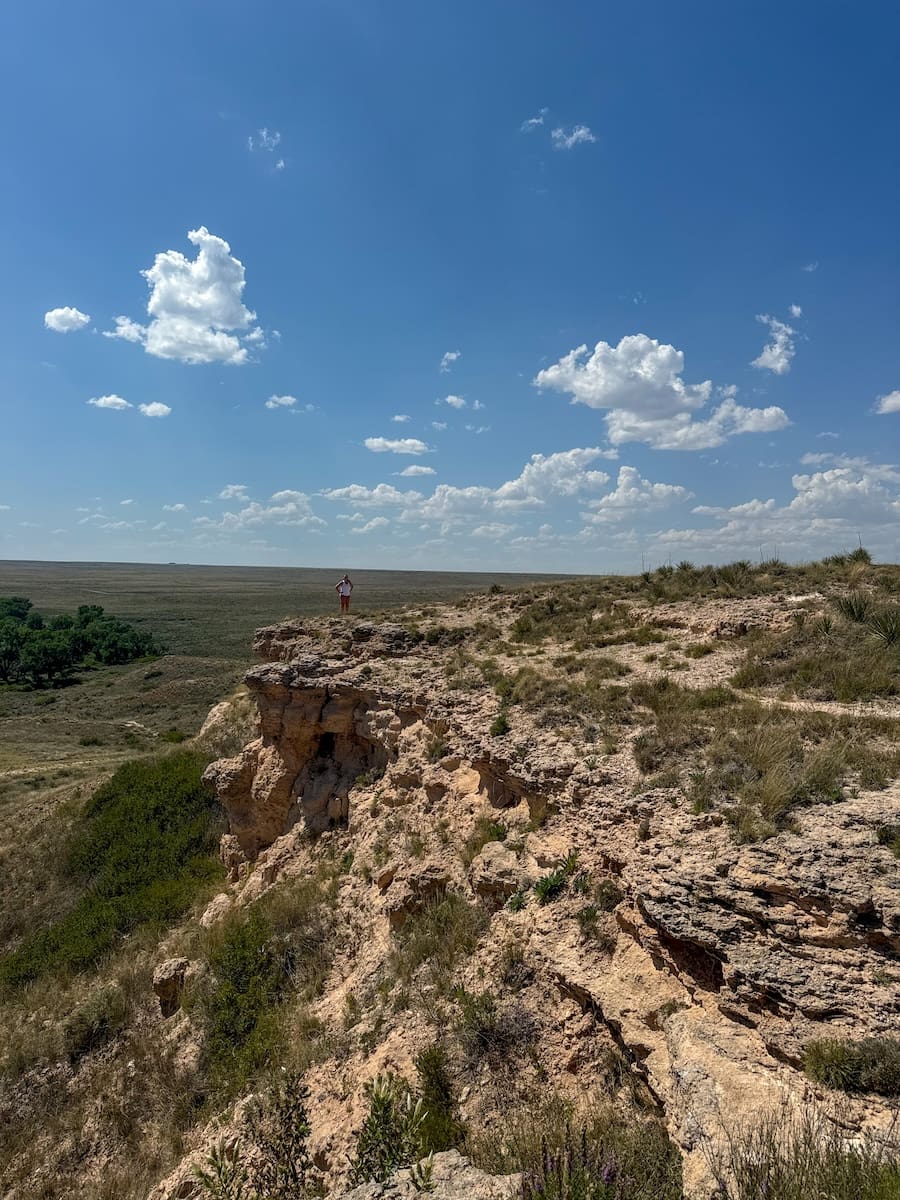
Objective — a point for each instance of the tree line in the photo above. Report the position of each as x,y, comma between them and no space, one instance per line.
41,651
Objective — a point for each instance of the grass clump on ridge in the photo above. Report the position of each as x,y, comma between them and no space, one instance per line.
145,848
757,763
604,1153
799,1158
855,656
869,1065
437,939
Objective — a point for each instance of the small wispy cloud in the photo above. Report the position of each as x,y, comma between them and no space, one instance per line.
129,501
281,402
535,122
265,139
795,310
416,469
810,267
440,426
578,135
452,401
449,358
113,402
400,418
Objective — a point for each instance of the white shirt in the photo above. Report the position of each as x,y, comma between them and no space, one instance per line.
344,587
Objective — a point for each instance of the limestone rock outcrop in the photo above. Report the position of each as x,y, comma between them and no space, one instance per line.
452,1177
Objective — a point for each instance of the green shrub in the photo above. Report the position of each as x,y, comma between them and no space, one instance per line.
487,1030
391,1135
885,624
145,848
241,1017
500,724
551,885
279,1128
257,958
869,1065
95,1022
889,835
442,1127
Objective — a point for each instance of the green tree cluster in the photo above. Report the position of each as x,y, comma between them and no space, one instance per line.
40,651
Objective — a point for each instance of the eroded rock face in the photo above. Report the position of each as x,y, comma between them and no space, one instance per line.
716,967
318,736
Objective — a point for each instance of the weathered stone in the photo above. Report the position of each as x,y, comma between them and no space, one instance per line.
496,872
452,1178
216,910
168,984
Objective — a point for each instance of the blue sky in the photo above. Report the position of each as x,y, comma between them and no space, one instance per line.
628,274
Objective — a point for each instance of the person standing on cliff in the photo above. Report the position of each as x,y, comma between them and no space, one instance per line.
344,587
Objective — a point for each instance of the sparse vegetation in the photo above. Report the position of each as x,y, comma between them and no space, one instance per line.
487,1029
867,1065
280,946
436,939
442,1127
603,1153
800,1157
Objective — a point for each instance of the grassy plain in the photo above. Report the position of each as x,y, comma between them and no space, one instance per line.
204,617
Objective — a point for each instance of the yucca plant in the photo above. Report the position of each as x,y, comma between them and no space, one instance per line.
885,624
855,606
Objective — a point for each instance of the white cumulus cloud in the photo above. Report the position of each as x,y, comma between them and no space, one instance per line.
113,402
795,310
281,402
156,409
566,139
416,469
196,310
381,495
639,384
381,445
285,508
889,403
632,496
66,320
777,353
449,358
452,401
400,418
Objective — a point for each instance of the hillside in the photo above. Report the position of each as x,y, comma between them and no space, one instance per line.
608,864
